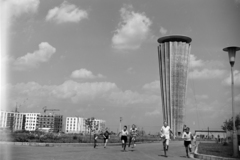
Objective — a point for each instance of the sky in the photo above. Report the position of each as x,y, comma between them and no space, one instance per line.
98,58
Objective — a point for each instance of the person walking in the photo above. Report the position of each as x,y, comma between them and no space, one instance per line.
165,135
187,136
133,135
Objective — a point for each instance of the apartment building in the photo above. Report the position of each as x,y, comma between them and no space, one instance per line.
51,122
77,125
31,121
11,120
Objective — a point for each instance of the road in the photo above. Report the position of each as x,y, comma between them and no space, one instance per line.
148,151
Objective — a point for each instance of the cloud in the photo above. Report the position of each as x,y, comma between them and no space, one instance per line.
163,31
228,80
129,97
198,63
85,74
132,30
206,74
193,62
156,112
66,13
32,60
18,7
80,92
153,86
200,69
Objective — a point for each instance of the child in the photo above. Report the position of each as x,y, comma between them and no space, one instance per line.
133,134
165,134
106,136
187,136
95,136
194,141
124,134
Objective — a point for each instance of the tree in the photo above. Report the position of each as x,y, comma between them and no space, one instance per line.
228,124
89,124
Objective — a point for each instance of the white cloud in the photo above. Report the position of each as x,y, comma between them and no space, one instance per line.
153,113
32,60
66,13
193,62
132,31
129,97
228,80
19,7
85,74
79,92
83,91
206,74
163,31
153,86
198,63
200,69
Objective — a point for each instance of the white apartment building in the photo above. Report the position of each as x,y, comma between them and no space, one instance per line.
11,120
77,125
31,121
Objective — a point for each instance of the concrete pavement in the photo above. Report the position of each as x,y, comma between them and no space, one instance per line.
151,151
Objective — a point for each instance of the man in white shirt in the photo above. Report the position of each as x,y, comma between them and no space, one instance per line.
165,134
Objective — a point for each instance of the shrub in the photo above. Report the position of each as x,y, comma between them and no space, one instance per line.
74,137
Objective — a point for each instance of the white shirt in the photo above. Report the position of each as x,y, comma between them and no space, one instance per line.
124,133
166,131
187,137
133,131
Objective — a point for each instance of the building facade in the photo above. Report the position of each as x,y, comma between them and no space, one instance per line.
50,122
31,121
11,120
173,57
78,125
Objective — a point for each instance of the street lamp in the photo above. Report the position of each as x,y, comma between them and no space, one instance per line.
120,124
232,53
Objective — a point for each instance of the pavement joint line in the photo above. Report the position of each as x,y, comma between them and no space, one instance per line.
209,157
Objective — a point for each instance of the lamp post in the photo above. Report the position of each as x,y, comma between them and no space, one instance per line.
232,53
120,124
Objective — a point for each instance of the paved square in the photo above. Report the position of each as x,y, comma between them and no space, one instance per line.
151,151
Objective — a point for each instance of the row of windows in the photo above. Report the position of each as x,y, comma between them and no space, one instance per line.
30,124
30,117
29,127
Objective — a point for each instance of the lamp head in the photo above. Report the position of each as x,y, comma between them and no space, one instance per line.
231,53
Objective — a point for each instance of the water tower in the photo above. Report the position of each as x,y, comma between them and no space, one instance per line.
173,58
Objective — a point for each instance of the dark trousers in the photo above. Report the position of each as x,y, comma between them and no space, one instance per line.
95,143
